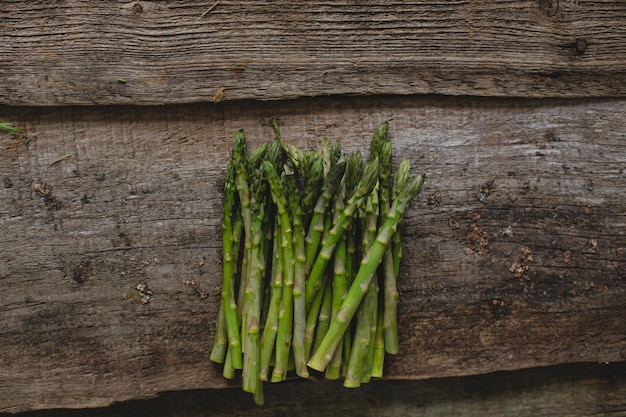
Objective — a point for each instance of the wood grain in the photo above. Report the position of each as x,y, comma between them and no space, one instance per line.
514,252
158,52
578,390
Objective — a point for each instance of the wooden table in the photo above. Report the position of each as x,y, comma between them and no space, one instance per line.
514,251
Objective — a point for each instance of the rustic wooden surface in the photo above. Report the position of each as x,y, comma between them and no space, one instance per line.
571,390
156,52
514,250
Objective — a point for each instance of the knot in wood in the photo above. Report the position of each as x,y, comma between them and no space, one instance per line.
137,9
581,46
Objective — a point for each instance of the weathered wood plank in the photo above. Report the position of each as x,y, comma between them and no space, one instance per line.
155,52
514,251
570,390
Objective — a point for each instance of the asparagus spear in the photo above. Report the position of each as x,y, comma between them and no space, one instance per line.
323,151
285,314
220,343
363,189
323,319
391,265
240,162
299,308
316,227
362,338
368,370
270,329
335,153
339,282
311,322
293,153
378,359
340,259
313,180
236,182
254,288
339,289
367,270
378,139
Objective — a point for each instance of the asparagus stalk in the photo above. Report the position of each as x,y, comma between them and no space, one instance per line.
229,371
323,320
400,181
299,308
378,359
371,297
313,181
285,314
316,227
378,139
254,288
363,189
311,322
391,265
295,156
324,152
339,281
335,153
220,343
351,261
339,289
240,162
367,270
362,338
236,181
270,329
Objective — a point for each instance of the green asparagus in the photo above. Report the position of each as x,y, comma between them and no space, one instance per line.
296,227
367,270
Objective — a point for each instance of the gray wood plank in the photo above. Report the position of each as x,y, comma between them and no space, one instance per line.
569,390
156,52
514,252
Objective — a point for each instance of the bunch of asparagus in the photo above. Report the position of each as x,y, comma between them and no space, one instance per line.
311,253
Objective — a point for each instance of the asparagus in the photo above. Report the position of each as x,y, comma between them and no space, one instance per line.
340,279
371,297
400,181
323,319
295,156
339,289
240,162
324,152
270,329
285,314
367,270
335,153
236,182
316,227
363,189
254,288
379,138
311,321
362,338
299,308
391,264
277,316
220,343
313,180
229,371
378,359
